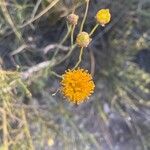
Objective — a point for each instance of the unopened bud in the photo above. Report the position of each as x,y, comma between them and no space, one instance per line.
83,39
73,19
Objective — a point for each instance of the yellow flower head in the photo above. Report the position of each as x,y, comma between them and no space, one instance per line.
83,39
103,16
73,19
77,85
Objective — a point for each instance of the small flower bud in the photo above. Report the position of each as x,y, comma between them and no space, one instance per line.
83,39
103,16
73,19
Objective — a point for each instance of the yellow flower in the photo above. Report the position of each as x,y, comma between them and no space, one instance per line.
83,39
103,16
77,85
73,19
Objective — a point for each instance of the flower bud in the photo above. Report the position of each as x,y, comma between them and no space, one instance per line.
73,19
103,16
83,39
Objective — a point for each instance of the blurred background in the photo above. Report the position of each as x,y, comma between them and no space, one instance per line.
34,114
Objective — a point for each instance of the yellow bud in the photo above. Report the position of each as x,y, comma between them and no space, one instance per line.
83,39
103,16
73,19
50,142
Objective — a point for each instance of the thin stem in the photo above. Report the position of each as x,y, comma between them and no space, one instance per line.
27,92
26,129
72,34
94,29
85,15
80,58
55,74
50,6
67,55
10,21
5,130
36,8
62,41
66,36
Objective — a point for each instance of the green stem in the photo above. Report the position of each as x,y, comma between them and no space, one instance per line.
26,129
80,58
62,41
94,29
27,92
55,74
66,36
85,15
72,34
67,55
